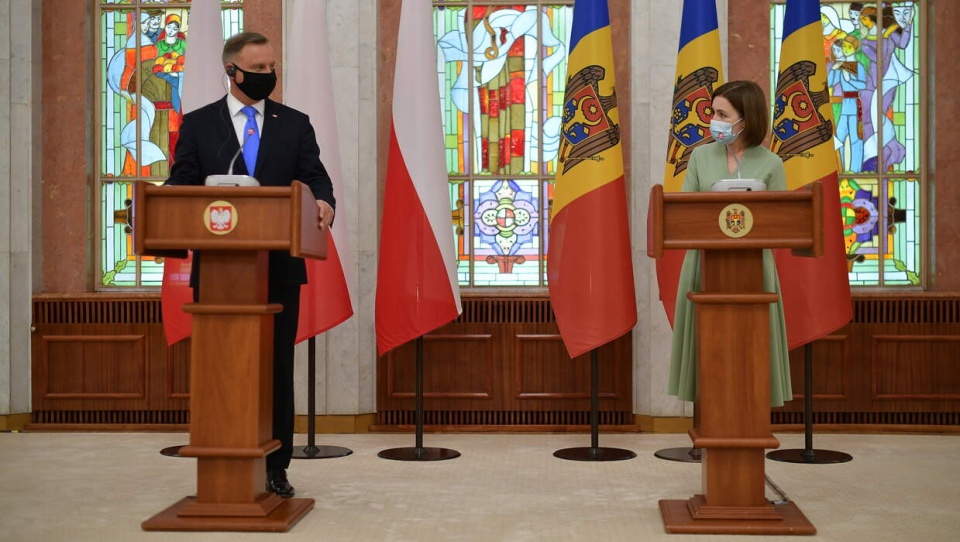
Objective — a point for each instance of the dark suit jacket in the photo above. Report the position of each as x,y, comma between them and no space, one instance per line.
288,151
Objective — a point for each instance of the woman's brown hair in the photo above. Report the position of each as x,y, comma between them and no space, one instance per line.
748,99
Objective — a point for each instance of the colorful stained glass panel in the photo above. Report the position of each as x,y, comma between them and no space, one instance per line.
506,233
144,52
875,84
142,59
491,83
903,257
555,69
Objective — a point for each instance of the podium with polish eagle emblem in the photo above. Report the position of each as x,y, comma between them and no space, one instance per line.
733,346
231,356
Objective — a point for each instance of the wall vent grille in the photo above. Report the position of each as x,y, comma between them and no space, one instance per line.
471,417
112,417
906,310
506,311
869,418
97,310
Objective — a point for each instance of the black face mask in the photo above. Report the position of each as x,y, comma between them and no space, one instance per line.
257,86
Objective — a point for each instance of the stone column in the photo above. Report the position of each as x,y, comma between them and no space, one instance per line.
655,31
19,199
346,355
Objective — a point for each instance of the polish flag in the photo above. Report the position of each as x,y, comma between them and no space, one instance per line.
203,83
417,289
327,298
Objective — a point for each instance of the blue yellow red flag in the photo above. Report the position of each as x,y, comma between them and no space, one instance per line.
590,271
699,72
816,291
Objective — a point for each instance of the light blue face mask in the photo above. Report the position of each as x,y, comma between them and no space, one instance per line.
723,131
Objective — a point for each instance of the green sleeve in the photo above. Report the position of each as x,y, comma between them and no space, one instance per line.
691,181
778,175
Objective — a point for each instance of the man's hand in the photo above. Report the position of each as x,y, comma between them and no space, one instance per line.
324,214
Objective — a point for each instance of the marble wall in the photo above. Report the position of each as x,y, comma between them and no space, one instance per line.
19,185
346,356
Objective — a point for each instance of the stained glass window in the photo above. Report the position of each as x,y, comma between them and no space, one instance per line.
875,78
142,47
502,73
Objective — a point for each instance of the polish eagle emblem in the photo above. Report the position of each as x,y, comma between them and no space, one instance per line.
220,217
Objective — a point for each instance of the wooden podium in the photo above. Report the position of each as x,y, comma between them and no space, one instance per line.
231,356
733,341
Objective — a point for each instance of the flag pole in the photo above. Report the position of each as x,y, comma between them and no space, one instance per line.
311,450
418,452
808,454
594,452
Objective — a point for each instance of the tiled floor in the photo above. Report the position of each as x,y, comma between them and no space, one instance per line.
505,487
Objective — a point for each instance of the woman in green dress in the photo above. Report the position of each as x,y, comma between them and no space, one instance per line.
739,126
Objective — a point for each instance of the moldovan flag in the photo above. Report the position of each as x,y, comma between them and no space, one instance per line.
417,288
202,84
325,301
699,72
590,270
816,291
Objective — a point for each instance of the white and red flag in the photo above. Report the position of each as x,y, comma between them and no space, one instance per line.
417,289
203,83
326,300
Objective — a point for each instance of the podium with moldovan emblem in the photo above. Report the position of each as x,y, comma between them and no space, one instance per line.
732,321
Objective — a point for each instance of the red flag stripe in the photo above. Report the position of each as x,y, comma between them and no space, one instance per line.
414,293
591,282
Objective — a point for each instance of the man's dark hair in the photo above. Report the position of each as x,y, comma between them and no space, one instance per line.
748,99
237,42
856,6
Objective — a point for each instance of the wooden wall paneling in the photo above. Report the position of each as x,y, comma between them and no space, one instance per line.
460,367
90,367
176,372
502,363
916,367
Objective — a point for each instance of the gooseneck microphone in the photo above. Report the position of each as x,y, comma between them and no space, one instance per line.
230,179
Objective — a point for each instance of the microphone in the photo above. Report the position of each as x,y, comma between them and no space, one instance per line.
230,179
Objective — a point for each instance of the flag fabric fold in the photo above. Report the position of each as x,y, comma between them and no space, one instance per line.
815,291
417,287
326,299
590,269
202,84
699,71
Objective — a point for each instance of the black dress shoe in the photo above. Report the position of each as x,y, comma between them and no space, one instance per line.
277,482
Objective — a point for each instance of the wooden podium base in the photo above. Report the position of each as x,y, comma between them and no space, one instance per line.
281,519
780,519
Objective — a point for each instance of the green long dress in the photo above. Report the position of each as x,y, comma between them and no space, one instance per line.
707,165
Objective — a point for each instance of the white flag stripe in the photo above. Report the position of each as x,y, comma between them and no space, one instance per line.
204,80
308,86
418,124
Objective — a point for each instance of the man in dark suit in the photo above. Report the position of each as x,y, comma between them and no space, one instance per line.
278,146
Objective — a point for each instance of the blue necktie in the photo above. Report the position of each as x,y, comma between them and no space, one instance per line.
251,139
